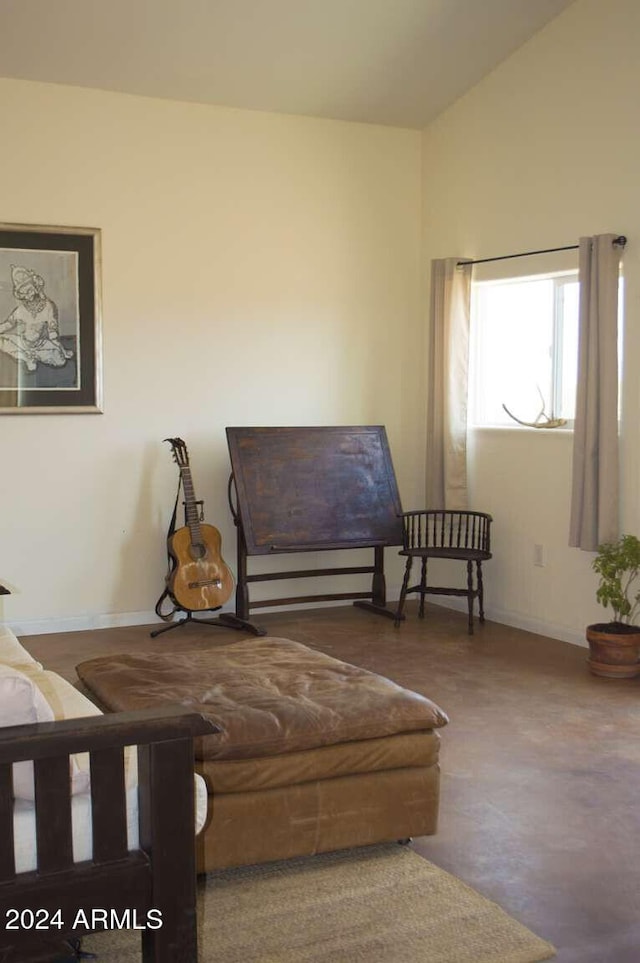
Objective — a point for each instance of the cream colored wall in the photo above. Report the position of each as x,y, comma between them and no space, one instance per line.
257,269
544,150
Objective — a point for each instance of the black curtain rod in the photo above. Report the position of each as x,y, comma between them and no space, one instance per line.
620,240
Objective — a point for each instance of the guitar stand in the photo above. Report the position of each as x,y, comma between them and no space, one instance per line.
224,621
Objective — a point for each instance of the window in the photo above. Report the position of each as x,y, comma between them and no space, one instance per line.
524,348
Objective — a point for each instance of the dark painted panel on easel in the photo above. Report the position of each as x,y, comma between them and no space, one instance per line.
307,489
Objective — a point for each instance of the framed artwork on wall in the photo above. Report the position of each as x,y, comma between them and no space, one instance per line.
50,320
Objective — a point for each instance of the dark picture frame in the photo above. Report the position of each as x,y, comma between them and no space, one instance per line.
50,320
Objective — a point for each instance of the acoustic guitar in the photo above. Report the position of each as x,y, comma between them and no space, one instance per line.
200,578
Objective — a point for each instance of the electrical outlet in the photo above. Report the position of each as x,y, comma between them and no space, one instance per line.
538,555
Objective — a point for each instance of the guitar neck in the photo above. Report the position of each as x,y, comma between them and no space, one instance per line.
191,506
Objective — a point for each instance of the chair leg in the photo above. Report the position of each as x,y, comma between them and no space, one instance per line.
423,587
480,591
403,592
470,594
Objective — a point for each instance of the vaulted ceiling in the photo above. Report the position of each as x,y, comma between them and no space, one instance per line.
395,62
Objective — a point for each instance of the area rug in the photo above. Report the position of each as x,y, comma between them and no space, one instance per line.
382,904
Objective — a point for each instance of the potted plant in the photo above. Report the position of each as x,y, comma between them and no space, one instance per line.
615,645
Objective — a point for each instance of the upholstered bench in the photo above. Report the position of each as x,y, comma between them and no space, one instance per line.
314,754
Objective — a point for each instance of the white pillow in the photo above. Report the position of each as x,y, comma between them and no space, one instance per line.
22,703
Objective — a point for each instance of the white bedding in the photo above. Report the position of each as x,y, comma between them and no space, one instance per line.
24,825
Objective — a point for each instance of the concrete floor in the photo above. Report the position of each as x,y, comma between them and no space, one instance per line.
540,805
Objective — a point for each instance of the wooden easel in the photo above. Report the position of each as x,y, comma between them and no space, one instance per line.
314,489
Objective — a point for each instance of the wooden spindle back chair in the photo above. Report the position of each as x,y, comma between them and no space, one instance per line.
460,535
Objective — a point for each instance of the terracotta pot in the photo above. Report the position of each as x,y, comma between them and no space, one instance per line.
614,649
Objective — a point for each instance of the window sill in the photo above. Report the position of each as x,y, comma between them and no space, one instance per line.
521,429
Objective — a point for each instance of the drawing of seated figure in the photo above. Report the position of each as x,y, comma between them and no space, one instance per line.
31,333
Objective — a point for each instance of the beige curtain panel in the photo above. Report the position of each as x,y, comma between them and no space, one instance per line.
595,482
448,378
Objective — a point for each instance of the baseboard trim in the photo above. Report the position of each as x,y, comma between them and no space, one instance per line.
525,622
84,623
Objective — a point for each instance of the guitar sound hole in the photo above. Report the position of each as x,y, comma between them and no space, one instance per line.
198,550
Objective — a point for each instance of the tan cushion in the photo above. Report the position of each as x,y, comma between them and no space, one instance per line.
268,695
68,702
12,652
21,704
412,749
65,700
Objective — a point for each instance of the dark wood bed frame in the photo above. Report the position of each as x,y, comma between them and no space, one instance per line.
160,875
